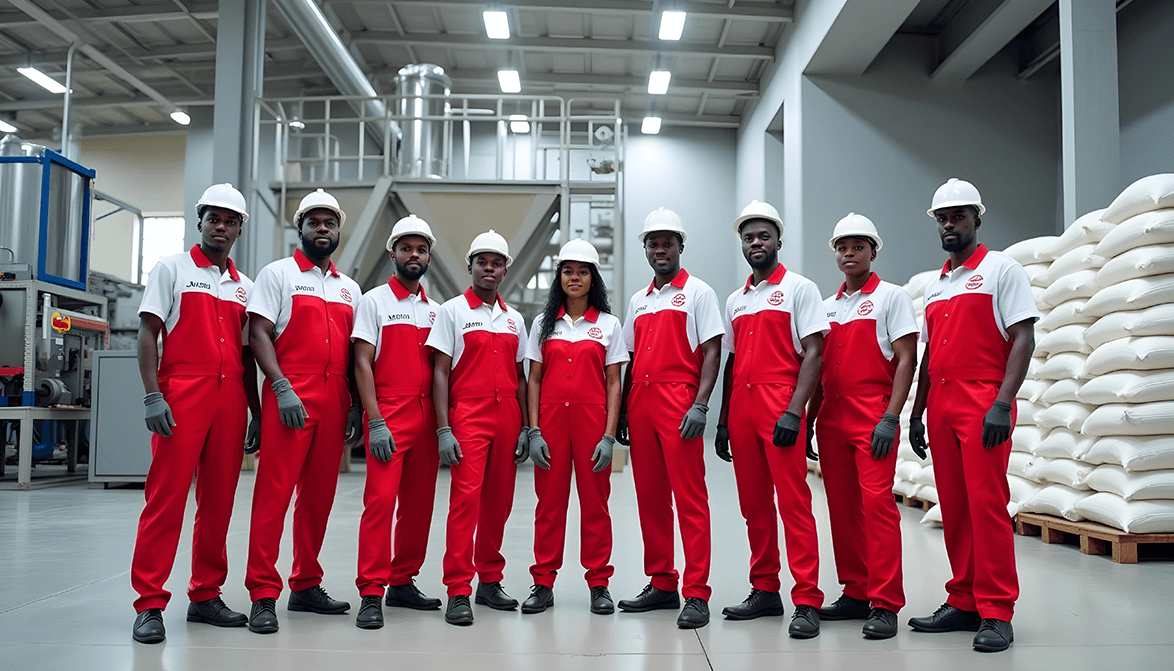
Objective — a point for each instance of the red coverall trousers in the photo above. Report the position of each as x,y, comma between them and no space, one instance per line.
572,432
481,495
208,441
306,459
973,493
666,469
866,526
762,470
406,485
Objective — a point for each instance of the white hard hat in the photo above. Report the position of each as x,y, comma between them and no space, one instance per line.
489,241
579,250
758,210
410,225
954,193
855,226
316,200
226,196
662,219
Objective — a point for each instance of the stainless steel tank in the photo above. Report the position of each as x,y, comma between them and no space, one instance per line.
20,201
424,150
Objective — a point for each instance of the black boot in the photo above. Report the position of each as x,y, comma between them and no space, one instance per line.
370,613
695,614
601,603
804,623
459,612
316,600
993,635
758,604
410,596
493,595
263,616
845,608
651,598
541,598
882,623
149,626
216,613
947,618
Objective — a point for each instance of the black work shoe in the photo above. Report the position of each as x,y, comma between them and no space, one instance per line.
492,594
651,598
845,608
947,618
758,604
601,603
214,612
149,626
316,600
410,596
541,598
695,614
993,635
263,616
804,622
459,612
370,613
882,623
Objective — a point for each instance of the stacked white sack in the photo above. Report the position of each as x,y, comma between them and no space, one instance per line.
914,477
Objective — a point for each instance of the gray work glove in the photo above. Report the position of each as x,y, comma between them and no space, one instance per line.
811,453
693,423
522,451
884,434
450,449
293,413
996,426
602,454
787,429
539,450
354,425
622,430
721,444
159,419
253,435
379,439
917,437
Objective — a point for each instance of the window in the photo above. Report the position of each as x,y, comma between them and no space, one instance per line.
162,236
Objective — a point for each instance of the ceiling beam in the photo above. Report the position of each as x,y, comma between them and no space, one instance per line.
152,53
757,12
95,102
717,88
166,11
857,35
1043,45
979,31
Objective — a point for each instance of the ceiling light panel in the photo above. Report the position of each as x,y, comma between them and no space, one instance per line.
497,24
672,24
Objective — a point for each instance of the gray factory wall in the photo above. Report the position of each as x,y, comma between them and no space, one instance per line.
1145,65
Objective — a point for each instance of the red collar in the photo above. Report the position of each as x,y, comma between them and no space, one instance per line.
304,263
972,262
678,281
591,315
869,286
775,278
475,302
202,262
400,292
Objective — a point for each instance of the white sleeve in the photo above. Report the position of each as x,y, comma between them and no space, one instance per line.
366,320
629,329
523,340
1015,301
899,318
533,347
265,298
811,316
159,294
707,315
728,337
248,285
616,351
442,337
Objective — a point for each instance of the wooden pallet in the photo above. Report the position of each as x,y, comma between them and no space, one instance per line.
913,502
1093,536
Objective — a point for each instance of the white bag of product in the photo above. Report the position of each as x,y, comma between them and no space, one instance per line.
907,469
932,517
1143,486
1069,338
1155,320
1060,367
1135,517
916,285
1142,386
1088,229
1139,353
1019,464
905,488
1080,284
1034,250
1012,509
1056,500
1148,193
1142,419
1025,412
905,450
1031,390
1024,438
1148,228
924,477
1021,489
1067,472
1133,453
1068,312
927,493
1037,273
1080,258
1032,472
1135,294
1068,414
1037,294
1137,262
1064,443
1061,391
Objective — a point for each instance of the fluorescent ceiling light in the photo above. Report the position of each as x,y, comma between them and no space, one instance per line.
180,117
651,125
48,83
6,127
672,24
518,123
497,24
658,82
297,123
509,81
619,122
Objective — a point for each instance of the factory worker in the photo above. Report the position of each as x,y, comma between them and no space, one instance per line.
576,350
199,391
393,374
301,313
979,334
480,403
673,330
775,326
868,362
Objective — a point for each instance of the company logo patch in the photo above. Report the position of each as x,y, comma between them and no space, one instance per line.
432,317
974,282
512,326
346,295
776,298
471,325
595,332
302,287
864,309
198,285
679,300
241,295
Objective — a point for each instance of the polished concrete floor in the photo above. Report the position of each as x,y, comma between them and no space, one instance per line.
66,601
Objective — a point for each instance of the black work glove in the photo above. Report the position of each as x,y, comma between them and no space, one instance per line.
159,419
253,435
996,426
917,437
884,434
811,453
354,426
693,423
787,429
622,430
721,444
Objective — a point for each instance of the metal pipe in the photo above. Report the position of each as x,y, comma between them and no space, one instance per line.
68,94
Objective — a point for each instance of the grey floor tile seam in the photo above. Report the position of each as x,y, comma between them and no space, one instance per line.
67,590
700,642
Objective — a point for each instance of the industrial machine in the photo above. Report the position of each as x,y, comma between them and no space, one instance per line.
50,325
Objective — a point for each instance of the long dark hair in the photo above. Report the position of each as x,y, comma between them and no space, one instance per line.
596,298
